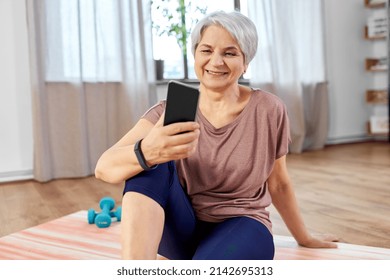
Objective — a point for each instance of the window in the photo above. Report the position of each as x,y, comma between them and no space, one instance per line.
82,40
171,53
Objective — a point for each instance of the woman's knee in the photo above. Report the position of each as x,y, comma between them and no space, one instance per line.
154,183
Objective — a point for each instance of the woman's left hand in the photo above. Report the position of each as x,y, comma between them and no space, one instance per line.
320,241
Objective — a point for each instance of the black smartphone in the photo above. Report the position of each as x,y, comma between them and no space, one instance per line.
182,103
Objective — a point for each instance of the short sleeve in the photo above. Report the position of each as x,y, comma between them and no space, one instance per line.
155,112
283,133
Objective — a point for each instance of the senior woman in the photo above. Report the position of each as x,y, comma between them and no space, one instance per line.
204,192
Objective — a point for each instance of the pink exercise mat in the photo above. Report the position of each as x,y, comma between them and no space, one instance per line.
71,237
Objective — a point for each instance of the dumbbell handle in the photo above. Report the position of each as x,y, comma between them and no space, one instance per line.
106,209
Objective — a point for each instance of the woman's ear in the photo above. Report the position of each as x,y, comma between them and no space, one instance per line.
245,68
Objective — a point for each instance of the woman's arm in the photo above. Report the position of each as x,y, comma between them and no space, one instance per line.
284,200
160,144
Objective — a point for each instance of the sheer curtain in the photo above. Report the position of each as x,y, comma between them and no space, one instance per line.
92,75
291,63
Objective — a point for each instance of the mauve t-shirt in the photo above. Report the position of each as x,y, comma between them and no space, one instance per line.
227,175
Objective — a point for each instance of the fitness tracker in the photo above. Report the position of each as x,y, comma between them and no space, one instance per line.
141,158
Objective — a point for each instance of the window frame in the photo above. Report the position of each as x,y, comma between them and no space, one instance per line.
185,60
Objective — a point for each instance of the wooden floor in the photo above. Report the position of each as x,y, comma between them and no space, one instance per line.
342,189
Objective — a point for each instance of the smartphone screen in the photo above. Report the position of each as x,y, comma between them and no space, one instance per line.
182,103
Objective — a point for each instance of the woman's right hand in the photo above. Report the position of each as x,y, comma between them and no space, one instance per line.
171,142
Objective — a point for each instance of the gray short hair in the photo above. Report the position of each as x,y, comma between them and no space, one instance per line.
242,29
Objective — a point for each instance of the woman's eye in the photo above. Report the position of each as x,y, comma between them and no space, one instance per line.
205,51
230,54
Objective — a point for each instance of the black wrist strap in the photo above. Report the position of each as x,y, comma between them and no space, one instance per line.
141,158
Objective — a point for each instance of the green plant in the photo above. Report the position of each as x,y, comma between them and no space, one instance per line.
174,22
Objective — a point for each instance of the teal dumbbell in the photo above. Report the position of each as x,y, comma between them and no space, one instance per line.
103,219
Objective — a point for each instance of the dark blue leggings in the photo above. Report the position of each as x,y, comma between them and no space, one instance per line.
185,237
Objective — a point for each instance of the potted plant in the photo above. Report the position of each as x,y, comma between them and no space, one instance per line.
175,22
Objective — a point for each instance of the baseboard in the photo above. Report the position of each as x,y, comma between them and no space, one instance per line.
348,139
17,175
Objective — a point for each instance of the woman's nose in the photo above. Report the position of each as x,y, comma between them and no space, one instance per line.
216,59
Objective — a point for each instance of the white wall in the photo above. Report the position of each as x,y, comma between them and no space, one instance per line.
16,151
346,52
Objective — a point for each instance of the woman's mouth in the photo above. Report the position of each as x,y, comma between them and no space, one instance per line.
216,73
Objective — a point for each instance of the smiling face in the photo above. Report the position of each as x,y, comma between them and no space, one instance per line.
219,61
